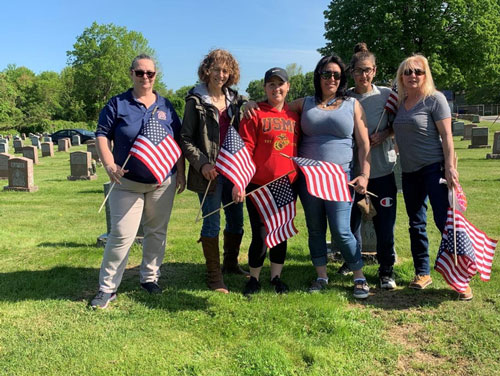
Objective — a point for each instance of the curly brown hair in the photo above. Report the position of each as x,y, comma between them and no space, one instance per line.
221,57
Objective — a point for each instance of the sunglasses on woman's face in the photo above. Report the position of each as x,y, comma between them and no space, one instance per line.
326,75
141,73
409,72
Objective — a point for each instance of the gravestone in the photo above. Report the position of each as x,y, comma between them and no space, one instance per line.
93,150
35,141
31,152
47,149
101,240
63,144
468,131
4,147
458,128
475,119
496,147
47,139
21,175
369,244
75,140
23,136
18,146
479,138
4,165
81,166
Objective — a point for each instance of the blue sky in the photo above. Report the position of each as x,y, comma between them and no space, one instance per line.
260,33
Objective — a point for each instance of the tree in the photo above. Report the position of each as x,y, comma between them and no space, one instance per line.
101,60
459,37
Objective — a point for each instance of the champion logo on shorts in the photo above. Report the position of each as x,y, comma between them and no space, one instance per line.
386,202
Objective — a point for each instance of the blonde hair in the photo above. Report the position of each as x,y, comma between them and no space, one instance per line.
221,57
428,88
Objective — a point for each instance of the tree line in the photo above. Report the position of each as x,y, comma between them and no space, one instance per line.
461,39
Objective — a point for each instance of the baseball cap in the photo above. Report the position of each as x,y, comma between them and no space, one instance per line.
278,72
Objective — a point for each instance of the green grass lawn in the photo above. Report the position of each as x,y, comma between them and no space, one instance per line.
49,266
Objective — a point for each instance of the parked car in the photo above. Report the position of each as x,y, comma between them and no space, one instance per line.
85,135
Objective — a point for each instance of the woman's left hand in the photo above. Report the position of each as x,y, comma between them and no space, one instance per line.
180,183
360,183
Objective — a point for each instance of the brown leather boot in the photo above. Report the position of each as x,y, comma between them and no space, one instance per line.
214,275
231,250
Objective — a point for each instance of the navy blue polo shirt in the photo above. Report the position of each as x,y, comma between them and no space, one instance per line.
121,121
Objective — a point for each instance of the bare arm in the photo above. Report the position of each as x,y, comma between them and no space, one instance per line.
363,143
444,129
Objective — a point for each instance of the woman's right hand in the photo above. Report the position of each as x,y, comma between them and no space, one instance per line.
115,172
208,171
249,109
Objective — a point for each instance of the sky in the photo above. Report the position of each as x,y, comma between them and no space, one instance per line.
261,34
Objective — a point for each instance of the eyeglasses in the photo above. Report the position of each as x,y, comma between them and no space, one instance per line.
409,72
360,71
326,75
141,73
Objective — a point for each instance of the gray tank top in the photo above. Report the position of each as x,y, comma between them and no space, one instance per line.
327,135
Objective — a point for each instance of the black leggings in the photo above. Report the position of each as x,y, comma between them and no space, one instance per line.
258,248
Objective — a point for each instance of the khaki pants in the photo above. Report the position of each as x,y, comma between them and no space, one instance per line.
129,202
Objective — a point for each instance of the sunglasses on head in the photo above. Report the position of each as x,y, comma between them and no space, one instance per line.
141,73
409,72
326,75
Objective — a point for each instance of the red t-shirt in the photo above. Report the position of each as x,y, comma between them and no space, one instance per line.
224,122
267,135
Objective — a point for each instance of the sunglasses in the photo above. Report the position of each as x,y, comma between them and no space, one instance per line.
326,75
141,73
409,72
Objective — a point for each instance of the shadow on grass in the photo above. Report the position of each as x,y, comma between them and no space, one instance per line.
91,191
68,245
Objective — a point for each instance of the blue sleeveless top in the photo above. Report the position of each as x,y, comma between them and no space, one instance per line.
327,135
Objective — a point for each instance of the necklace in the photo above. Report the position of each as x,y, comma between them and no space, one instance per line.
330,102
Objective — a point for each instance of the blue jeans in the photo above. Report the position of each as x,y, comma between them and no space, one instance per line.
234,213
338,215
417,187
385,205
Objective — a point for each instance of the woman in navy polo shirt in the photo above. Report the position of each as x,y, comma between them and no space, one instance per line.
137,193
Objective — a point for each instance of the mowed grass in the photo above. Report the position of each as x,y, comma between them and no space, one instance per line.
49,266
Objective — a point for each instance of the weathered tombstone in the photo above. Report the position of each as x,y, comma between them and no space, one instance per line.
458,128
479,138
475,119
31,152
35,141
75,140
81,166
63,144
496,147
21,175
4,147
93,150
101,240
468,131
47,139
23,136
47,149
18,146
4,165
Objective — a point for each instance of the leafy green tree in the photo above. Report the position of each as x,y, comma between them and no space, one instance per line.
8,94
101,60
460,38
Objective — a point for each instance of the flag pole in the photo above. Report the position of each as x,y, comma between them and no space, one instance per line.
113,185
454,226
202,202
247,194
351,185
380,120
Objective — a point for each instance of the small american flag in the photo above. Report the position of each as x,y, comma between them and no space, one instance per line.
475,251
325,180
276,205
234,161
156,149
392,102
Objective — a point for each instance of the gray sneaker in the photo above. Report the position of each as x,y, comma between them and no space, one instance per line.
317,285
387,282
102,299
361,289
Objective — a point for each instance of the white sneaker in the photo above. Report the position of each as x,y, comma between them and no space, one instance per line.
387,283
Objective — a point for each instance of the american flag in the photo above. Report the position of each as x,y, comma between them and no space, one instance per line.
392,101
276,205
325,180
234,161
156,149
475,252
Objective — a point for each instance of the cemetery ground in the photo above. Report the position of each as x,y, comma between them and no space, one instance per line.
49,266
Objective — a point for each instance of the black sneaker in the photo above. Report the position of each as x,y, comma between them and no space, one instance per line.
151,287
344,270
102,299
317,285
251,287
279,286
